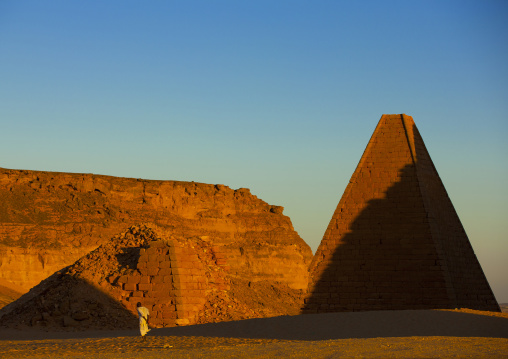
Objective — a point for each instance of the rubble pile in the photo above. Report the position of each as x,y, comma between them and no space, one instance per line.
181,280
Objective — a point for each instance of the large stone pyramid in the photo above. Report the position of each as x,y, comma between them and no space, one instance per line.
395,240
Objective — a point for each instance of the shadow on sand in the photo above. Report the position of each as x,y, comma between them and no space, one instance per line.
373,324
327,326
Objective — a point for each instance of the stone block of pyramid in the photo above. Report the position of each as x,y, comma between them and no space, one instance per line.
395,240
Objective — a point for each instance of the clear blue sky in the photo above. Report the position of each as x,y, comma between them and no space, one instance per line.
277,96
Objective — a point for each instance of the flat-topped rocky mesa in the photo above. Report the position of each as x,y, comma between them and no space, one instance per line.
48,220
181,280
395,240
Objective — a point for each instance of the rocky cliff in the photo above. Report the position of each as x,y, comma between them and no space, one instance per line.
48,220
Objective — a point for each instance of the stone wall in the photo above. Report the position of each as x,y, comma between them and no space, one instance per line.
172,282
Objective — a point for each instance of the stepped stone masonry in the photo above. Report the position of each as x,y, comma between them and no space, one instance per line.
171,282
395,240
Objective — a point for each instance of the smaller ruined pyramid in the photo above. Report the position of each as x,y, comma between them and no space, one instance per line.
181,279
100,290
395,240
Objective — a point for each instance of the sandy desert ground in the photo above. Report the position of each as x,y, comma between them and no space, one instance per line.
383,334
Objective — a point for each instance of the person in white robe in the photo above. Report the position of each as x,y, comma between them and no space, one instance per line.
143,320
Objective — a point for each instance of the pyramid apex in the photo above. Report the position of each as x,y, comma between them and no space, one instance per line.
391,119
397,116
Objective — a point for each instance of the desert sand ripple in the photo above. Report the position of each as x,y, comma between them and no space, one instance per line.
200,347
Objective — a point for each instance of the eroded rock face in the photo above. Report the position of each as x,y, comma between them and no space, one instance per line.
26,267
181,280
49,219
8,293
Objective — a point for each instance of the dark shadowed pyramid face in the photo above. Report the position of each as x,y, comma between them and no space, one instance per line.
395,240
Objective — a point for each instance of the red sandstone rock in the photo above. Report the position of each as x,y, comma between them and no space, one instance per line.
8,292
395,240
49,220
